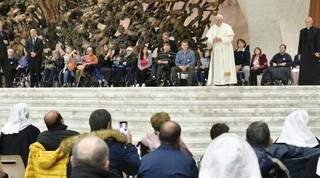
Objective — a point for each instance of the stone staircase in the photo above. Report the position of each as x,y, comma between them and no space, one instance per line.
195,108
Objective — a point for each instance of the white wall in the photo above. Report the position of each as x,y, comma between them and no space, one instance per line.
272,22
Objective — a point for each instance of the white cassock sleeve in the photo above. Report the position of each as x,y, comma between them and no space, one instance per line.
210,37
228,34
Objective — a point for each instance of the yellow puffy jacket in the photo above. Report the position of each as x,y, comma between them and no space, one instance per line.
46,164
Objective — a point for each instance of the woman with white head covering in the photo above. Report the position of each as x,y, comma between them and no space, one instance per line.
229,157
18,133
296,144
296,131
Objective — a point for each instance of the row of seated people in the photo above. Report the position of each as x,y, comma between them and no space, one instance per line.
118,67
125,67
280,68
295,153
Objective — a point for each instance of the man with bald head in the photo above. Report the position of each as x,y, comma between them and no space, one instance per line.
90,158
57,131
167,161
34,48
309,51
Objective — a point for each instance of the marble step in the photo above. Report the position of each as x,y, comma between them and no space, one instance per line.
195,108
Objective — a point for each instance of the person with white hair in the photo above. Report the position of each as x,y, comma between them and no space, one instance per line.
229,157
34,48
296,144
18,133
309,51
222,70
13,64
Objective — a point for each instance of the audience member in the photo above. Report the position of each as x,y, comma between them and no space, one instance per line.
280,67
202,67
106,62
69,73
167,161
88,63
90,158
131,65
296,144
218,129
123,154
259,64
18,133
242,59
185,61
144,64
171,42
13,64
229,157
165,60
57,131
151,141
53,67
295,70
258,136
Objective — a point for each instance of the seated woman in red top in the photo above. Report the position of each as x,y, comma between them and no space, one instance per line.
259,64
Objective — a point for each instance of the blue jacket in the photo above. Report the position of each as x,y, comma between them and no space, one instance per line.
123,158
187,58
167,162
267,166
295,158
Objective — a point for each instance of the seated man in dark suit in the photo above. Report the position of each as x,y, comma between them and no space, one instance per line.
168,161
56,132
280,66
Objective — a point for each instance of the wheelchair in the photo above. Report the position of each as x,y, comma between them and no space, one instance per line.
44,82
164,78
274,76
61,79
22,80
90,77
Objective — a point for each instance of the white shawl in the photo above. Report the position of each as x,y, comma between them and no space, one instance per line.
18,119
296,131
229,157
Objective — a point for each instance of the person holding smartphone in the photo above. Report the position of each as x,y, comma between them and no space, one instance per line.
123,154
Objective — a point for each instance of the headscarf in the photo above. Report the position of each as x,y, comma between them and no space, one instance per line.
229,157
296,131
18,119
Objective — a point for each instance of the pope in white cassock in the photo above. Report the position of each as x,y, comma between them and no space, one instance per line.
222,67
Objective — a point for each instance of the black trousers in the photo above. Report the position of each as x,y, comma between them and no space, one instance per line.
142,76
253,77
35,71
4,65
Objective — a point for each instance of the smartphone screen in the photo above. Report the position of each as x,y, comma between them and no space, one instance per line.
123,127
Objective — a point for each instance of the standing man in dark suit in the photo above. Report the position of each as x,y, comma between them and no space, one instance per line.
4,42
34,47
309,50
